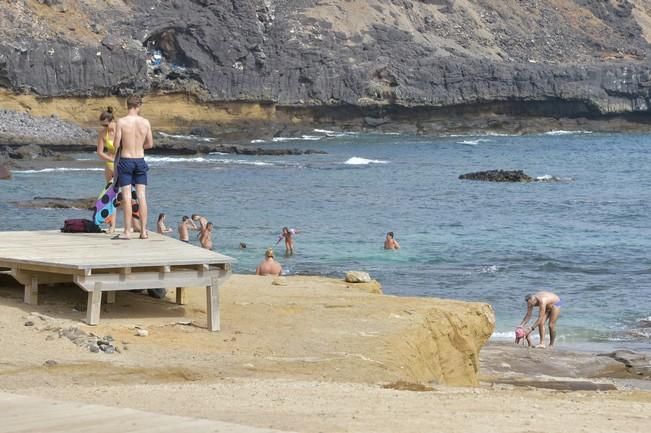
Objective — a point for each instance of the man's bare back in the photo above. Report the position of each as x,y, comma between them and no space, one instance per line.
134,135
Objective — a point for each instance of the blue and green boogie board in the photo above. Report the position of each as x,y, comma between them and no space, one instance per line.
107,203
110,198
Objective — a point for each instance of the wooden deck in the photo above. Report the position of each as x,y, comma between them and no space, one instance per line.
30,414
98,264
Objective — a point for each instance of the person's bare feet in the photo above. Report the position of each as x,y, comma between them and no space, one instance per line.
144,234
540,346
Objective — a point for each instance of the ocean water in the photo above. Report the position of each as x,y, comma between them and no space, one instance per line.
584,233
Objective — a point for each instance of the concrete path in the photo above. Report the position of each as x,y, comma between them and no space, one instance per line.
23,414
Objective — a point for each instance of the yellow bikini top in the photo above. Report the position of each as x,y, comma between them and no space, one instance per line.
108,143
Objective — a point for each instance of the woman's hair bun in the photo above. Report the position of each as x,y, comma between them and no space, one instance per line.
109,109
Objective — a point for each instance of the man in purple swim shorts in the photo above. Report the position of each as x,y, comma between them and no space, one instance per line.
132,137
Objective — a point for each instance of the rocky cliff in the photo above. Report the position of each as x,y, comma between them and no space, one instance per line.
435,63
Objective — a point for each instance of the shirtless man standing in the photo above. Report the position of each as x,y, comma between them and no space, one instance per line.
269,266
132,137
549,309
390,243
185,226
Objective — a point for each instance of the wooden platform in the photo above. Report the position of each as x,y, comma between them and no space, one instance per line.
30,414
98,264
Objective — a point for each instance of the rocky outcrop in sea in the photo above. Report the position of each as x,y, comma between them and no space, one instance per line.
498,176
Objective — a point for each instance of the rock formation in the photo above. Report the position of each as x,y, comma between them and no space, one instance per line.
434,64
498,176
58,203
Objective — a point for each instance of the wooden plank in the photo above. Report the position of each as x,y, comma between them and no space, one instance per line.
98,250
110,297
31,291
212,300
94,305
145,280
181,296
212,306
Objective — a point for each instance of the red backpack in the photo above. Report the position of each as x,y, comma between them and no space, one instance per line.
80,226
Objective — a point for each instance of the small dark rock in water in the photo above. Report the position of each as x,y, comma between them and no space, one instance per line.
242,245
29,323
498,176
4,173
50,363
57,203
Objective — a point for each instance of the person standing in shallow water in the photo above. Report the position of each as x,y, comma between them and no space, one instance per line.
390,243
160,225
288,235
549,310
132,137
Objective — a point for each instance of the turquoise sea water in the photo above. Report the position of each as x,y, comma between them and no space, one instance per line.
585,237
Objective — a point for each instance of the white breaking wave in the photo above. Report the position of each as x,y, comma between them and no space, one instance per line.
175,159
242,162
58,169
302,137
550,178
325,131
258,141
489,269
185,137
355,160
474,142
510,335
563,132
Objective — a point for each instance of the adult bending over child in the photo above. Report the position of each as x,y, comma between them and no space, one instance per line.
549,309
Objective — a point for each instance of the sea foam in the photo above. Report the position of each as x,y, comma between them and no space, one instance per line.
355,160
563,132
185,137
57,170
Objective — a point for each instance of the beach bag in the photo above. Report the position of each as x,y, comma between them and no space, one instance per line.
80,226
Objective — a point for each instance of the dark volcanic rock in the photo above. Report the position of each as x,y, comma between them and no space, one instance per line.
304,53
498,176
58,203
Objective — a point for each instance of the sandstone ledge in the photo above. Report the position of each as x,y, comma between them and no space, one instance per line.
314,327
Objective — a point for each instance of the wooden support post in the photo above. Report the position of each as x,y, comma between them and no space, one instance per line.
94,304
181,297
31,290
212,301
110,297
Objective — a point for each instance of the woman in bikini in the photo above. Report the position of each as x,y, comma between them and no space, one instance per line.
106,149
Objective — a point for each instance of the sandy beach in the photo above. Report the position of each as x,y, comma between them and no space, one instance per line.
308,354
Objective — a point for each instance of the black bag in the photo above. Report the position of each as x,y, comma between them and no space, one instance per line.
80,226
